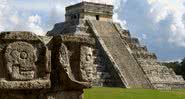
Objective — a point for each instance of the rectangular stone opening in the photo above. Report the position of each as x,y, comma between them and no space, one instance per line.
97,17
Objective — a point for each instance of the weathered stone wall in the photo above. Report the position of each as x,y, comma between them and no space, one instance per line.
25,61
78,27
40,67
87,10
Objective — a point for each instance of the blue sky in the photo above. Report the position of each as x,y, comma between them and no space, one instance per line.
159,24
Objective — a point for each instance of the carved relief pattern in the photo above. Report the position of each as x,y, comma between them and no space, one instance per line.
20,60
86,66
28,68
63,58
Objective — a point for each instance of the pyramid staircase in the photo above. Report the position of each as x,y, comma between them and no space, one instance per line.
160,76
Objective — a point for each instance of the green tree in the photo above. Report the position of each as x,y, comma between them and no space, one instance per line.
183,67
183,62
176,66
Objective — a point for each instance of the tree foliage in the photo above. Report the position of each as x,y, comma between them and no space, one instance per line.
178,67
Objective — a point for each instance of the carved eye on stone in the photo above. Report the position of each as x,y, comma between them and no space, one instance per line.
15,53
88,57
23,55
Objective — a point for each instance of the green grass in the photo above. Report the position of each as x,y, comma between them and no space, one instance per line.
120,93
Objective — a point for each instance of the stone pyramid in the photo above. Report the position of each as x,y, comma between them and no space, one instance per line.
119,59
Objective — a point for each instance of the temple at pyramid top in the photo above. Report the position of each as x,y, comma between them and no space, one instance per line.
89,10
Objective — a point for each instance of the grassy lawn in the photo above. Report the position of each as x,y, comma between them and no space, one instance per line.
119,93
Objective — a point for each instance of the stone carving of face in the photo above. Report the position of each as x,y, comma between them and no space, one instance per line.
20,60
89,60
87,63
64,59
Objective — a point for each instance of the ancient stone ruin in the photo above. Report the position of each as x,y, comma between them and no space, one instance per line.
120,60
41,67
86,50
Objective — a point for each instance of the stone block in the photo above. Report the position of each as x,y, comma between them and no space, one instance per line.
24,61
35,67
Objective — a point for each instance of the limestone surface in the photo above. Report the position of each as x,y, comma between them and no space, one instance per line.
119,59
57,68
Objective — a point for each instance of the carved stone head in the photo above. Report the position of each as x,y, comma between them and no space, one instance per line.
26,61
87,63
20,60
74,62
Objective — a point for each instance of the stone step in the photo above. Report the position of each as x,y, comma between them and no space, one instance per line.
140,48
144,62
144,55
158,68
169,86
125,33
123,62
130,40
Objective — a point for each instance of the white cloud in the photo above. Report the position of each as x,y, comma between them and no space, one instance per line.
34,24
57,12
116,17
162,9
162,21
32,5
12,20
122,22
4,11
144,36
